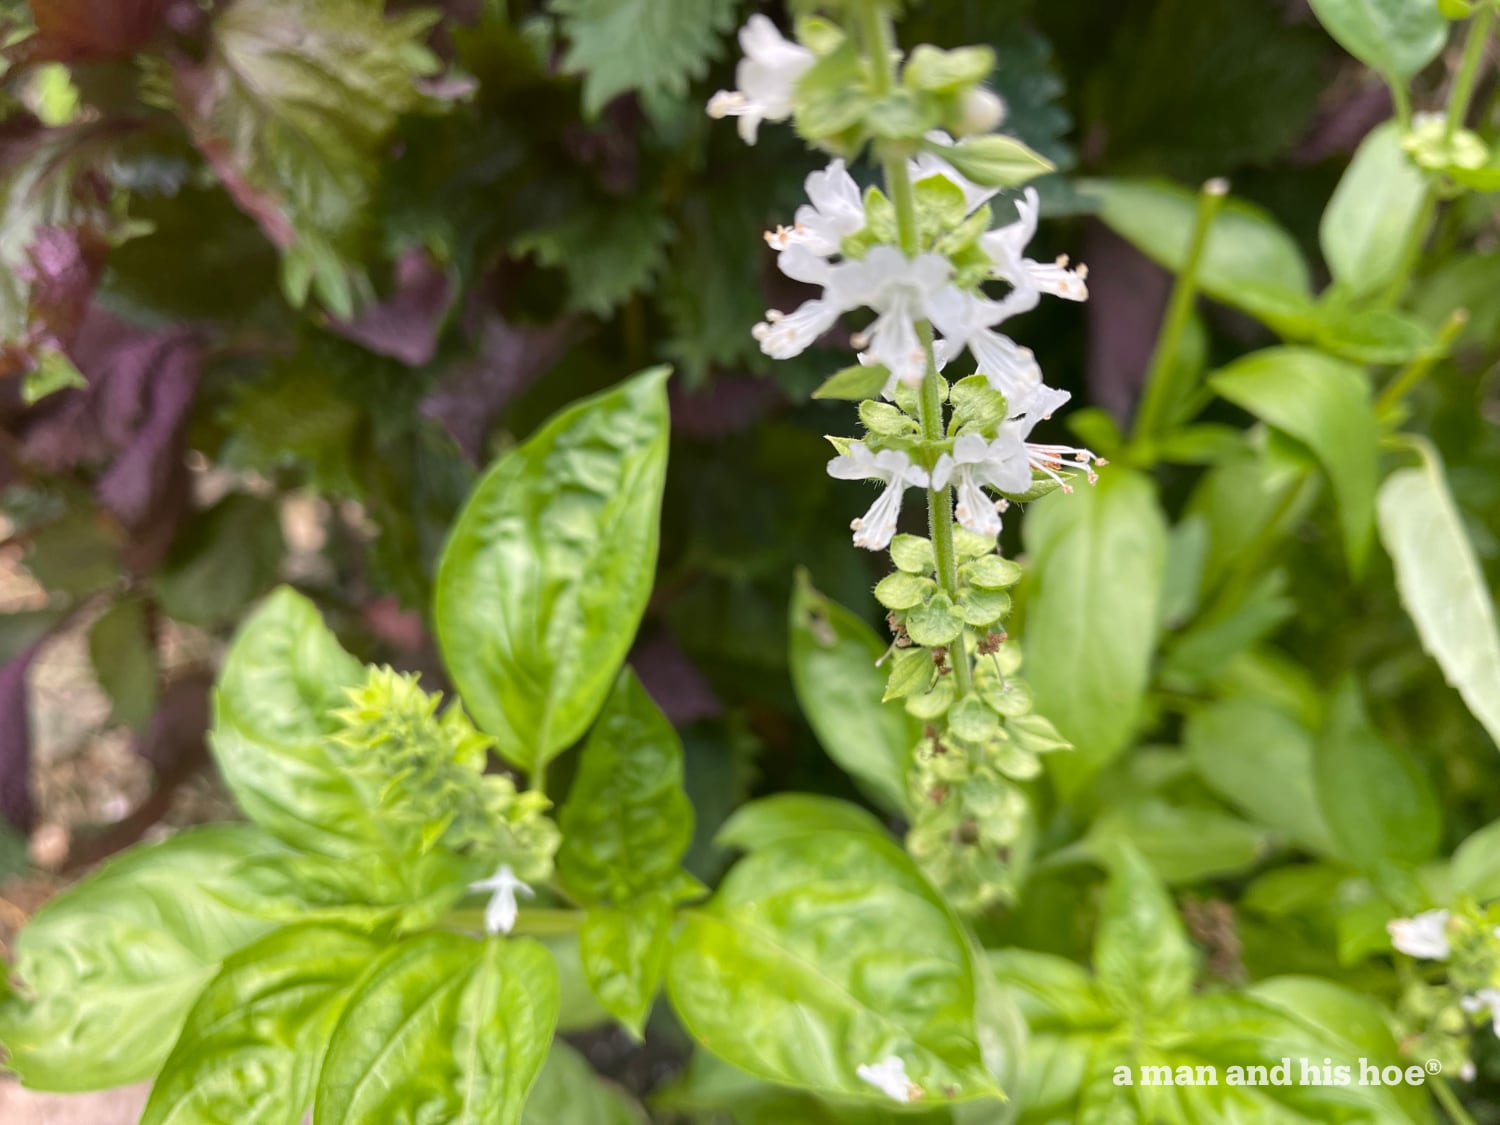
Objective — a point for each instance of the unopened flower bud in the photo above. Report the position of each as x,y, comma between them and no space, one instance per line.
982,112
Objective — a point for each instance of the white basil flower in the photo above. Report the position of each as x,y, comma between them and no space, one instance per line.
967,321
836,211
1001,464
1026,410
767,78
1486,999
889,1077
500,913
1424,936
1006,247
926,164
873,531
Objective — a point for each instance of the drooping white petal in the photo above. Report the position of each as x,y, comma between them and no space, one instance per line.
767,78
1424,936
875,529
501,911
1006,248
889,1077
786,335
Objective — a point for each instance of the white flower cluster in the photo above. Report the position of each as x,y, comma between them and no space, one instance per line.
1426,936
904,292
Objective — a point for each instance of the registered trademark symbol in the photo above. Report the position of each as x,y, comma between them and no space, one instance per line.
1434,1066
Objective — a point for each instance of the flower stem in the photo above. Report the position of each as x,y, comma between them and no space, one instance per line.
1414,372
1159,390
1450,1103
879,44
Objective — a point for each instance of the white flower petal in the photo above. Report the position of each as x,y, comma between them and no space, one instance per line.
889,1077
1424,936
501,911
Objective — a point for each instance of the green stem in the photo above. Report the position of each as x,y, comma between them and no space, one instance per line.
1159,391
1458,108
879,42
1455,1110
1417,370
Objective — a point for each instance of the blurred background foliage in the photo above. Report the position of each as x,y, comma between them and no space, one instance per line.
283,275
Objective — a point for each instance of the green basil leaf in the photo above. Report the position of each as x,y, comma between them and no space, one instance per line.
1476,864
1260,760
568,1092
252,1044
1099,554
1053,993
624,953
442,1028
854,384
1142,956
1377,801
1396,37
547,571
996,161
1325,404
123,654
110,967
833,655
1182,843
1441,584
1365,227
783,816
803,969
627,822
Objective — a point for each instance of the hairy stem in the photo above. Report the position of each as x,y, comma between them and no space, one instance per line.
879,44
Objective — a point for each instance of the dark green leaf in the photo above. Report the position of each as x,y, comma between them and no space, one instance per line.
442,1028
123,654
226,559
111,966
1396,37
546,574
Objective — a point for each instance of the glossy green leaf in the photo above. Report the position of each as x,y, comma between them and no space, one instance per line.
1182,843
1364,230
821,954
1054,994
1098,558
784,816
546,573
284,674
442,1028
833,655
1396,37
568,1092
1378,803
1441,584
109,968
1248,261
627,821
1325,404
251,1047
1260,760
1142,956
123,654
624,954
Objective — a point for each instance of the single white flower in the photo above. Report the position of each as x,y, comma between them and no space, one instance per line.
1485,999
836,211
966,320
500,912
873,531
1006,247
1467,1071
889,1077
1424,936
1001,464
1026,410
767,78
926,164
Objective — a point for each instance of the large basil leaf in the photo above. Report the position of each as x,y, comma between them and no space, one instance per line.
1377,801
284,674
781,816
442,1028
1325,404
624,953
1261,760
820,954
568,1092
251,1047
1365,229
627,821
1441,584
1142,955
833,655
113,964
1092,621
1396,37
547,571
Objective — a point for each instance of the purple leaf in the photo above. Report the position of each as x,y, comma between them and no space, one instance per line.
177,731
405,326
15,741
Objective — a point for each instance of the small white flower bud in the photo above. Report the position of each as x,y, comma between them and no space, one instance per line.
982,110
